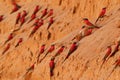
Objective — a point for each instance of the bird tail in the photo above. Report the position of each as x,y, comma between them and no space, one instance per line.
21,24
113,53
38,58
48,26
65,59
42,16
17,45
17,29
11,12
44,57
3,52
31,33
97,20
29,20
102,64
17,21
6,42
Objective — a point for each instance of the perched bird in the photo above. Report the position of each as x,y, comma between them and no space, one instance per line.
116,49
1,18
44,12
109,50
59,51
18,18
22,20
20,41
52,66
50,13
24,14
87,22
6,49
32,17
36,9
39,24
31,68
50,22
88,32
102,14
42,49
9,38
50,50
16,7
71,50
36,22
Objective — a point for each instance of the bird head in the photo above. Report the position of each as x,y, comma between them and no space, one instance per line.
1,15
45,9
85,19
8,44
108,46
21,39
83,27
104,8
52,45
74,42
51,18
43,45
52,58
37,6
51,9
63,46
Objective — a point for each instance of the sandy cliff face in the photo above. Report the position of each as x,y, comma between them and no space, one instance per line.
83,64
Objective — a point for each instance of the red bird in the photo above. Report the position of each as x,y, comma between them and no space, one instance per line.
36,9
42,49
88,32
16,7
40,23
6,49
20,40
9,38
1,18
71,50
24,13
52,66
36,28
51,49
59,51
32,17
18,18
117,62
50,13
87,22
22,20
102,14
44,12
109,50
31,68
50,22
36,21
116,49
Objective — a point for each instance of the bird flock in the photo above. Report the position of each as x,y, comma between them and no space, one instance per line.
86,30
